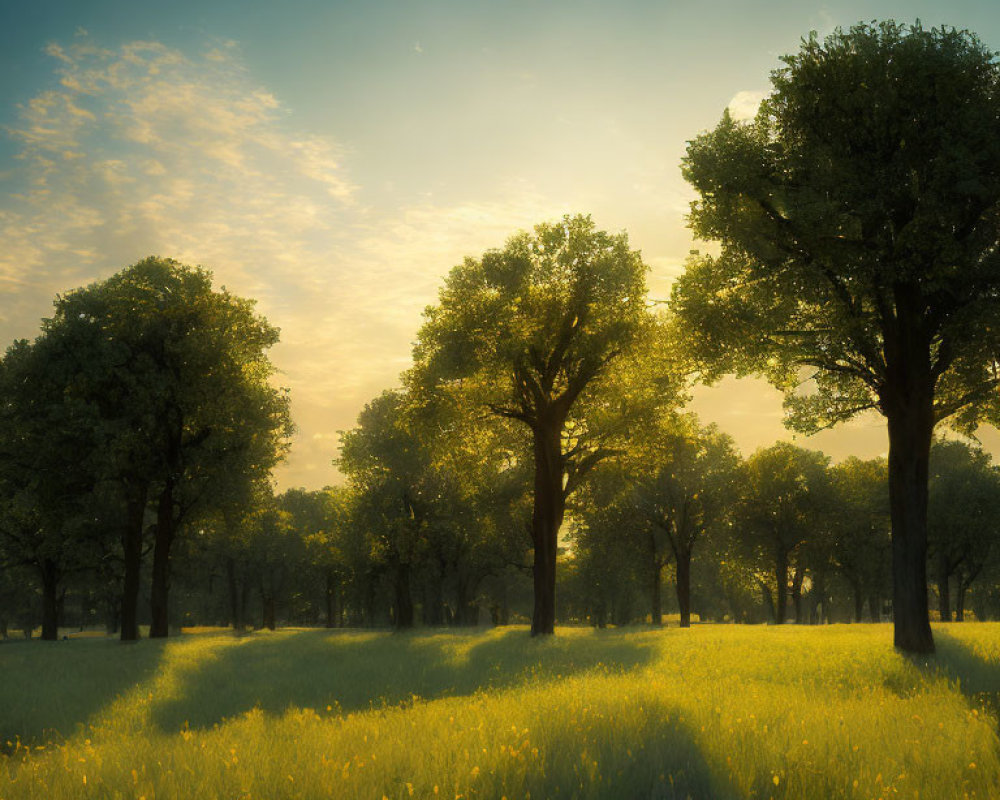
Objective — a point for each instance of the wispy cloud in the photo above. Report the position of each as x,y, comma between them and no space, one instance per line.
145,149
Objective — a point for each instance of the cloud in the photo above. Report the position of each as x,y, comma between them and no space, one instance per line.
744,104
144,149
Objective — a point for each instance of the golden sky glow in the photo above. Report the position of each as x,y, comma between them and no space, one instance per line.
335,163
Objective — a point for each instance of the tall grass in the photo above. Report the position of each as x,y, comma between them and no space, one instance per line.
710,712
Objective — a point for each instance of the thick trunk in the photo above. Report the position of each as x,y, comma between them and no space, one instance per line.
135,512
911,424
781,577
684,586
546,519
50,575
944,590
403,603
163,539
960,601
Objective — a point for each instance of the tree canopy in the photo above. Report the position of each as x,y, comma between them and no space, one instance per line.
858,216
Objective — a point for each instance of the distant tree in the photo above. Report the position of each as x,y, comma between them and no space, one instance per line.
619,556
963,518
686,483
858,217
180,379
388,465
860,547
784,500
529,331
323,518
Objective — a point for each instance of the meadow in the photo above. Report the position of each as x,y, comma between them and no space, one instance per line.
708,712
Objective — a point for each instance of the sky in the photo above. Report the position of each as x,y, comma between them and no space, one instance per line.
333,160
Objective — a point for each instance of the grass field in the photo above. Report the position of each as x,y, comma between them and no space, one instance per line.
710,712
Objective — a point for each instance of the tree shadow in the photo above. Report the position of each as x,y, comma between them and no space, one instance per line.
663,761
352,671
50,689
976,673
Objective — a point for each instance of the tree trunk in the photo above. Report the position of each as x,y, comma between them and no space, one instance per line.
112,622
768,598
859,602
466,608
911,425
546,519
403,604
268,612
434,613
797,578
873,610
817,598
684,586
944,590
50,575
135,514
960,601
781,576
163,539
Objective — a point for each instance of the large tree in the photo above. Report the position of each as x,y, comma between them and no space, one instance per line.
858,218
181,382
530,330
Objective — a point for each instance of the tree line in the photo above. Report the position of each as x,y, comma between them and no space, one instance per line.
540,434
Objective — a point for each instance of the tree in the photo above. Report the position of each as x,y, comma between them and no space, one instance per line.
322,519
529,330
686,484
180,379
46,472
858,217
860,543
785,496
963,509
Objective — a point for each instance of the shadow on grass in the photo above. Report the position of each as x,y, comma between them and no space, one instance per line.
977,674
663,760
49,689
354,671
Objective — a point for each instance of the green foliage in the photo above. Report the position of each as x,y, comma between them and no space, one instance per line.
858,545
858,216
963,511
537,319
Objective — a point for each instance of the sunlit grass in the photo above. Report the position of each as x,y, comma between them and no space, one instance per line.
710,712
